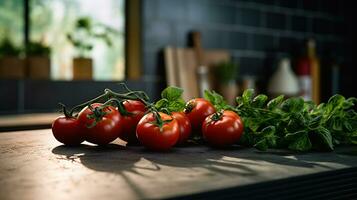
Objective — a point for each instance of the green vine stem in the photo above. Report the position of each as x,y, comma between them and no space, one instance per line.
119,105
98,113
65,111
110,97
109,94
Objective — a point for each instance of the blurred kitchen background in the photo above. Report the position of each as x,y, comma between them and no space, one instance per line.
70,50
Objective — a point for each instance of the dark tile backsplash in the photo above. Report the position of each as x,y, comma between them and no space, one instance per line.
299,23
276,20
238,40
252,30
263,43
27,96
10,95
248,17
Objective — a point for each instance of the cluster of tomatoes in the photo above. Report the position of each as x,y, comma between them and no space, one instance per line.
155,130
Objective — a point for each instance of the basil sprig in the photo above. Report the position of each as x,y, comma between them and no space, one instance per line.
293,123
171,100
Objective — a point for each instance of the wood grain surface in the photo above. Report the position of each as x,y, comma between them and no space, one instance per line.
35,166
26,121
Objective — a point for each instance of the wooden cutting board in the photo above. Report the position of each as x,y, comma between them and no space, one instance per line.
181,64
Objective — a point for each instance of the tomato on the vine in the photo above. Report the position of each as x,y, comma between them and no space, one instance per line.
137,110
68,131
106,130
197,110
184,126
223,128
158,137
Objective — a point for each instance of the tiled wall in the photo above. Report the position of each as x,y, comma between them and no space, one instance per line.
256,32
29,96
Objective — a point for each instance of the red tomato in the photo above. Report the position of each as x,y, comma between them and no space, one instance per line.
138,109
184,125
197,110
222,129
106,130
150,135
68,131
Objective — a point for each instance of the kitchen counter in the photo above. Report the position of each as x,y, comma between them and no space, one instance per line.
33,165
27,121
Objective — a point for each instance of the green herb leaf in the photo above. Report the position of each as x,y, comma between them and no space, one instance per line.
335,103
336,124
175,106
309,105
293,105
214,98
294,136
274,103
171,100
348,126
347,104
336,100
352,101
239,101
269,135
266,138
259,101
326,137
301,143
253,124
248,96
269,130
161,103
261,145
217,100
298,125
172,93
315,122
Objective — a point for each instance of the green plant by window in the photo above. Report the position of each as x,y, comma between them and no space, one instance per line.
7,48
86,32
37,49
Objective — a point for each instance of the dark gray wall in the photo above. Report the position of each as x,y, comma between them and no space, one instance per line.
256,32
29,96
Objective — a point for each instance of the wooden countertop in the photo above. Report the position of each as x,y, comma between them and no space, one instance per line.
27,121
33,165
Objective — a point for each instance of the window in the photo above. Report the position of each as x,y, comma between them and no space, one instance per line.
51,20
11,21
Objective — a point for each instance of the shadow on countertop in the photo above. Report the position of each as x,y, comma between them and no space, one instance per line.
136,160
116,158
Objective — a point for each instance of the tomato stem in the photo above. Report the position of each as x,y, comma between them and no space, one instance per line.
110,95
158,121
97,115
80,106
119,105
189,106
65,111
217,116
